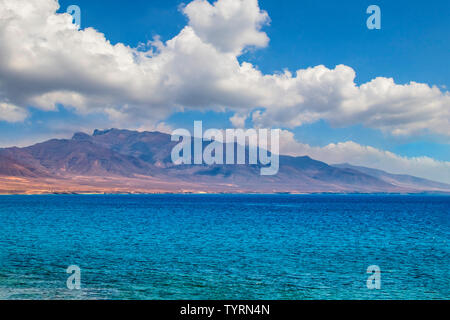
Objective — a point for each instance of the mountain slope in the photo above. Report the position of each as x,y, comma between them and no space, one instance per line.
401,180
129,161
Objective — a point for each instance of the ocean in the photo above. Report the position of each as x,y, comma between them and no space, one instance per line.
225,246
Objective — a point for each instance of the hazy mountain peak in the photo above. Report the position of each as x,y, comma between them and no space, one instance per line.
81,136
98,132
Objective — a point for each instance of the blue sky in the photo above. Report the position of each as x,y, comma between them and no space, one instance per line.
412,45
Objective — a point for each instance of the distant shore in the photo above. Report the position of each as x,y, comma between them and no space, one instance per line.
98,185
219,193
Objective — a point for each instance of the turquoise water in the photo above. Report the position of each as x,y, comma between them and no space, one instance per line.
225,246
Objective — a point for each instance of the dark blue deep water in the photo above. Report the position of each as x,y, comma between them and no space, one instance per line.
225,246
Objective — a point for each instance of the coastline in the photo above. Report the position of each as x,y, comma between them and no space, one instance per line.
117,185
229,193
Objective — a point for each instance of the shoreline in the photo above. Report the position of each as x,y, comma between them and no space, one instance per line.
224,193
112,185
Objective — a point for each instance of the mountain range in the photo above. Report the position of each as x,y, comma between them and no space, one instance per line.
124,161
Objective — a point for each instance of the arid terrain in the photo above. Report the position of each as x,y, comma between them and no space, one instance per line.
123,161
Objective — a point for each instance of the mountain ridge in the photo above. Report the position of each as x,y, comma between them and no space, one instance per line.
126,161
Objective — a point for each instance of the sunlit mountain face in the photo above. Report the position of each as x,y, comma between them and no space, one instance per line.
130,161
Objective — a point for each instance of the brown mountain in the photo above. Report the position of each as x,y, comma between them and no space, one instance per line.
121,161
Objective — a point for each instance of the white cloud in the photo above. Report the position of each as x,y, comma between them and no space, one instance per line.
238,120
332,94
160,127
45,60
229,25
356,154
11,113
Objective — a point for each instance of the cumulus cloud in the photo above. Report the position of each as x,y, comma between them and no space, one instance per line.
356,154
238,120
229,25
11,113
332,94
45,60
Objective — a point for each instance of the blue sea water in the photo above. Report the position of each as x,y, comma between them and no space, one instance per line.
225,246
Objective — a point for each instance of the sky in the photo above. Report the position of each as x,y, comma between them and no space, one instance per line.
339,91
